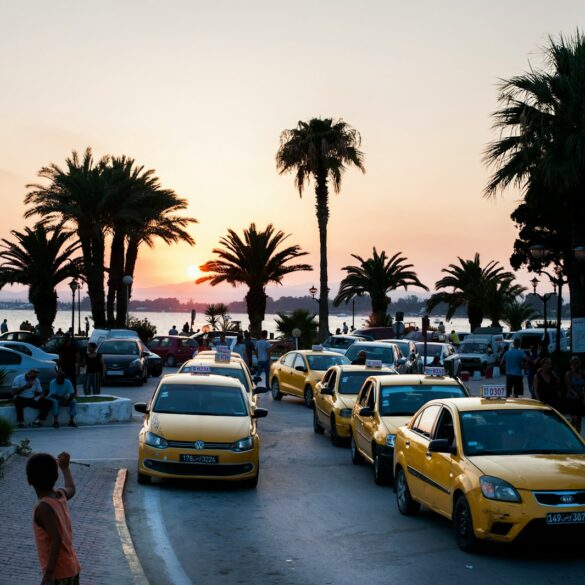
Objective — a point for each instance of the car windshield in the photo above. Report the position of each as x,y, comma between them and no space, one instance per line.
432,350
118,348
516,431
200,399
373,352
470,347
324,362
351,382
406,400
236,373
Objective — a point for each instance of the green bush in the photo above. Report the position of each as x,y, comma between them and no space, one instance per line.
6,430
145,329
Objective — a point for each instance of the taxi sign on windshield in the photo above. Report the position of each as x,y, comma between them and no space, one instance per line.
223,353
317,348
494,392
373,363
200,370
434,371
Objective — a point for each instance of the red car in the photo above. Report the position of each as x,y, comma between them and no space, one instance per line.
172,349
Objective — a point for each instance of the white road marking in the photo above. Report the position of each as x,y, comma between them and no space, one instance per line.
164,549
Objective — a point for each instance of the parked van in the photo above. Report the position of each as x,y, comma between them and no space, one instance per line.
480,351
98,335
530,337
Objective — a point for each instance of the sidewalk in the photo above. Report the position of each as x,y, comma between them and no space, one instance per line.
95,535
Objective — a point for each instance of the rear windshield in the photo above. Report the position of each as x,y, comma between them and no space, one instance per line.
385,354
516,432
351,382
236,373
406,400
324,362
470,347
118,348
432,350
200,399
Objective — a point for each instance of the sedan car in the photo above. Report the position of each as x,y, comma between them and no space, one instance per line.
30,350
199,427
28,336
445,353
173,349
335,396
341,343
388,353
125,360
386,403
414,361
297,372
154,362
14,363
496,468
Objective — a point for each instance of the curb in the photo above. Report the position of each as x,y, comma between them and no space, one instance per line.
7,451
138,576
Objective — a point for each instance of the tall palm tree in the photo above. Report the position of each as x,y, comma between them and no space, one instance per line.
40,258
320,149
300,319
469,282
499,294
255,260
376,276
517,313
541,122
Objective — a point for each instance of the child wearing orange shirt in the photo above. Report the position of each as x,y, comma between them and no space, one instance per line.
51,519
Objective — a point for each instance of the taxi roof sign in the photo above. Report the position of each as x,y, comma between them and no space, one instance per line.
374,363
435,371
317,348
200,369
494,392
223,353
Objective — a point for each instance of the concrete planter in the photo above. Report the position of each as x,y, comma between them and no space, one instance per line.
89,413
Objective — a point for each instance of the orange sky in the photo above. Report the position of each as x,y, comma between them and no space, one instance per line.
201,91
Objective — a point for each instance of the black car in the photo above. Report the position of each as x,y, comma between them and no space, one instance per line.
125,360
153,361
54,343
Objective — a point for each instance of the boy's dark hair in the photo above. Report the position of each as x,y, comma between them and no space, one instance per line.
42,471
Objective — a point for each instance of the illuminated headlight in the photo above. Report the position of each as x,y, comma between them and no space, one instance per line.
243,444
155,441
345,413
390,440
494,488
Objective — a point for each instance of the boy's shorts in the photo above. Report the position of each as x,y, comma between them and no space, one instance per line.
68,580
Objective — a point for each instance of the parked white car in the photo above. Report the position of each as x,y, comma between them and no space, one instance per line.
341,343
14,363
448,357
98,335
30,350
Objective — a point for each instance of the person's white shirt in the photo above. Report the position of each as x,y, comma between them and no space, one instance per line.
35,391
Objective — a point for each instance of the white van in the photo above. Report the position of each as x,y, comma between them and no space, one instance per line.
98,335
479,351
530,337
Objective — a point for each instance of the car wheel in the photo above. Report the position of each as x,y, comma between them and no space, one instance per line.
381,471
308,397
336,440
356,457
275,387
463,525
171,361
143,479
406,505
317,427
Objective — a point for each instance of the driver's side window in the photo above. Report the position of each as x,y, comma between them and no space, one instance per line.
289,359
299,362
364,395
445,428
331,380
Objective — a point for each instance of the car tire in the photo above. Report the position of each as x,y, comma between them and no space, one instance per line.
463,526
356,456
143,479
308,397
336,440
171,361
275,389
317,427
406,505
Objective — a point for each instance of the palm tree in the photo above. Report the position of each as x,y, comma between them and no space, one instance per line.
499,294
218,316
517,313
541,123
376,276
299,319
469,283
254,260
320,149
40,258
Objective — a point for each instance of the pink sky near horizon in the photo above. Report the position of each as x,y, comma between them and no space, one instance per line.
201,91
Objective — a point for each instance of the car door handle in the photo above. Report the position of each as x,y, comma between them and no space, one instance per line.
407,443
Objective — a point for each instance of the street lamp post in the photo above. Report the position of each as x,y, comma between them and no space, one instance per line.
79,309
544,298
127,281
73,285
313,292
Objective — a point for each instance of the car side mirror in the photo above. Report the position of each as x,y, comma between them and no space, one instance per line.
326,391
441,446
141,407
259,390
366,411
300,368
260,413
401,361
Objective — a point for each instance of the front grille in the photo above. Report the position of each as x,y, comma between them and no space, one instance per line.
198,469
564,498
206,446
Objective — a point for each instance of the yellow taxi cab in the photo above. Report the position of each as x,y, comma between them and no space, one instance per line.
199,426
335,396
384,404
496,468
297,372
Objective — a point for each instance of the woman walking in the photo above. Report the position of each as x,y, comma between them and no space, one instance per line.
546,384
95,371
575,384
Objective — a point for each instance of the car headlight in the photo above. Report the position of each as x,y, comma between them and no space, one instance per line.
390,440
243,444
135,363
494,488
155,441
345,413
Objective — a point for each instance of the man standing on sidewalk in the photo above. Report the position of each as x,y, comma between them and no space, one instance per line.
513,361
263,348
27,391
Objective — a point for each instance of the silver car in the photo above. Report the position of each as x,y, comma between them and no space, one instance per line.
13,363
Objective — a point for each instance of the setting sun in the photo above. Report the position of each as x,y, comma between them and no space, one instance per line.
193,271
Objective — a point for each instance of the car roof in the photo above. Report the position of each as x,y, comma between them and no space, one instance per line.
377,343
433,343
210,354
475,403
358,368
210,360
347,336
202,380
314,352
417,379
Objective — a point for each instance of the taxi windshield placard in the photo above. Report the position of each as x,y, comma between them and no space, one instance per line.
493,392
200,370
223,354
434,371
317,348
373,363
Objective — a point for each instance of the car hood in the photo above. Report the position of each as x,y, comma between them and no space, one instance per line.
119,358
347,400
535,472
392,423
189,427
316,375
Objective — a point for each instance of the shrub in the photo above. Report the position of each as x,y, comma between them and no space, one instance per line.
145,329
6,430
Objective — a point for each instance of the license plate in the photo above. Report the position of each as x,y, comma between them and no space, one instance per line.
114,373
199,458
565,518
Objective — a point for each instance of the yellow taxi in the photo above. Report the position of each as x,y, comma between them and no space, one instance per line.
335,396
384,404
297,372
199,427
495,468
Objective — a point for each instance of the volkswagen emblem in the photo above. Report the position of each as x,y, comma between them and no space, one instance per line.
567,499
199,445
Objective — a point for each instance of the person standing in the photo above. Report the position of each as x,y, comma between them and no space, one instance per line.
27,391
360,358
95,371
4,326
532,359
173,330
575,385
240,348
345,328
250,349
454,338
546,384
513,361
69,360
61,394
263,348
51,518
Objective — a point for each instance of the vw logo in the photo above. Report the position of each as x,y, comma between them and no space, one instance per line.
199,445
567,499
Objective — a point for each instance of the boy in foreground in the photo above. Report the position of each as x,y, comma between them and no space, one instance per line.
51,519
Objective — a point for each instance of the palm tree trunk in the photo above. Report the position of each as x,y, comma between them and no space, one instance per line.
93,265
322,207
44,303
380,304
115,280
131,259
256,305
475,317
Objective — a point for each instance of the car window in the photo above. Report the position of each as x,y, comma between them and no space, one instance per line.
20,348
324,362
237,373
165,342
118,347
364,394
9,358
427,420
432,350
153,343
351,382
200,399
445,428
386,354
288,359
299,361
405,400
